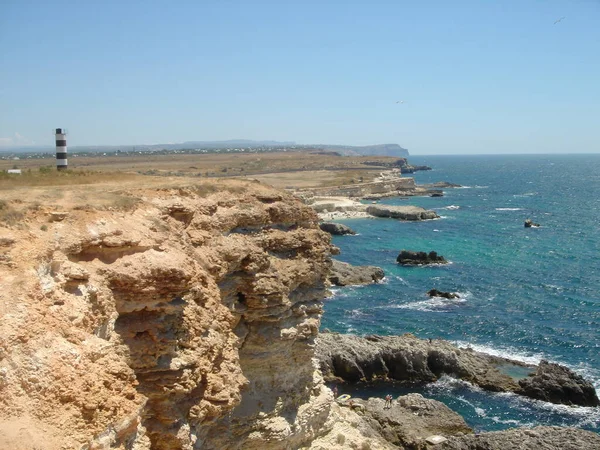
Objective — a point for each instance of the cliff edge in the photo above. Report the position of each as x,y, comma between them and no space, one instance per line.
187,320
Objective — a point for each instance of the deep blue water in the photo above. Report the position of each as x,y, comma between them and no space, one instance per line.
526,293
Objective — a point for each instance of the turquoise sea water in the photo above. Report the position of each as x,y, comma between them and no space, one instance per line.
525,293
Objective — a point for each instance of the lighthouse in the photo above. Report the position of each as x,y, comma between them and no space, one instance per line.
61,149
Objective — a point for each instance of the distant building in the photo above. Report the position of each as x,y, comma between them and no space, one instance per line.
16,171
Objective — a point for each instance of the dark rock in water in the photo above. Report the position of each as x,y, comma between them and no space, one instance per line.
448,295
530,224
409,359
402,212
411,419
436,194
336,228
410,258
542,438
344,274
558,384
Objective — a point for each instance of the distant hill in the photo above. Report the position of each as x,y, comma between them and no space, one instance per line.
346,150
233,143
379,150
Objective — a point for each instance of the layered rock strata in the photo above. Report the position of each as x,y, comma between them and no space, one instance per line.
409,359
188,322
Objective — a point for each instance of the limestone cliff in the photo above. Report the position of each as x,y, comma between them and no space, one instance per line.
187,321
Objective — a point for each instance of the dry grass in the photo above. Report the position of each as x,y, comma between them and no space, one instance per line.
291,166
9,214
52,177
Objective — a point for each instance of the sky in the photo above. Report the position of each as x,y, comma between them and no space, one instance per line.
476,77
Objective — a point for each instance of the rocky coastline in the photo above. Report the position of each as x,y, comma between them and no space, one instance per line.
191,320
406,358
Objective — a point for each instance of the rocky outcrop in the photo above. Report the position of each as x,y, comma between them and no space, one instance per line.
448,295
336,229
531,224
401,164
411,419
542,438
407,358
411,213
410,258
344,274
557,384
187,322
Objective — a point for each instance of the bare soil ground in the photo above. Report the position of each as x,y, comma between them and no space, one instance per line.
280,169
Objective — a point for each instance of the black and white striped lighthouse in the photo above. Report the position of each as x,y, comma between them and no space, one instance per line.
61,149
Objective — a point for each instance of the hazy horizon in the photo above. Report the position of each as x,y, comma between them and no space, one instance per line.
466,77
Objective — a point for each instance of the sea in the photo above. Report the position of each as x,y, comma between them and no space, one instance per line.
525,293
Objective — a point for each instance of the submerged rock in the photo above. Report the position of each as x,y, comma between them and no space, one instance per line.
411,213
531,224
344,274
436,293
410,258
336,229
558,384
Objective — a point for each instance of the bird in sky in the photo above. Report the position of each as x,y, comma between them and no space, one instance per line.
558,20
400,101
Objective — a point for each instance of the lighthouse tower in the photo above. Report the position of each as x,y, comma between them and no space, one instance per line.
61,149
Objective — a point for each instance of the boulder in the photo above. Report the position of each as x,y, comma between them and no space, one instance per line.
336,229
410,258
558,384
344,274
410,213
411,420
436,293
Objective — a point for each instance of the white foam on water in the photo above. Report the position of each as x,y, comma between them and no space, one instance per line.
583,415
481,187
389,279
583,369
437,231
509,209
450,207
507,352
435,304
355,313
480,412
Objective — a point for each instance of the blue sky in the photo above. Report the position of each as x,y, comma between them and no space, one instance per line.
475,76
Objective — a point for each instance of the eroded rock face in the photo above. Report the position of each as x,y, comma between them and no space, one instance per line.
557,384
407,358
186,323
344,274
